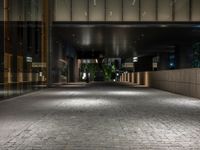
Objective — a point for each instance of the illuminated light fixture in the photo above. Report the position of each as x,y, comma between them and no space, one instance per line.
171,64
135,59
40,74
97,61
196,26
84,76
95,2
111,13
144,13
163,25
133,3
29,59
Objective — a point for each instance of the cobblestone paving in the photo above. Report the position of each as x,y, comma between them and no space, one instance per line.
100,117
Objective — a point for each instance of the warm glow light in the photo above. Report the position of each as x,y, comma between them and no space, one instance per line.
86,103
84,76
126,93
86,38
182,102
135,59
98,93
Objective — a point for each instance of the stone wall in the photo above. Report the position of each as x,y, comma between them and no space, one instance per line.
183,81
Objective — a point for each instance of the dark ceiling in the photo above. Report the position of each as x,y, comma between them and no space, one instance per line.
124,40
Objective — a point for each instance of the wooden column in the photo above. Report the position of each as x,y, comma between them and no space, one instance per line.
45,40
7,63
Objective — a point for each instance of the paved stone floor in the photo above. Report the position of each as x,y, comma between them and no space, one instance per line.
100,116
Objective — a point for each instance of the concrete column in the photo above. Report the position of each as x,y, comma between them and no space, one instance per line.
163,61
6,49
128,77
138,78
124,77
46,43
133,78
76,70
146,79
183,56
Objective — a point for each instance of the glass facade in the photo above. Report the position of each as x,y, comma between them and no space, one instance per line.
20,47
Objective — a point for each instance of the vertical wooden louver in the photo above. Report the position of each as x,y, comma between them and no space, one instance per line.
45,41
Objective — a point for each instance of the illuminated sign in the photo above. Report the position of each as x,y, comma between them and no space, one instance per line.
29,59
128,65
39,65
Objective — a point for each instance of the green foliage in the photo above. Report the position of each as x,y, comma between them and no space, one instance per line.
90,68
93,68
107,72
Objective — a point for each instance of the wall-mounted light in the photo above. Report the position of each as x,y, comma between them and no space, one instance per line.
144,13
95,2
84,76
135,59
40,74
111,13
133,2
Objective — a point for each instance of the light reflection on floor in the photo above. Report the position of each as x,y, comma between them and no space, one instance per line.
100,116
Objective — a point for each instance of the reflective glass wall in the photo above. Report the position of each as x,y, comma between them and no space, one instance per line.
21,66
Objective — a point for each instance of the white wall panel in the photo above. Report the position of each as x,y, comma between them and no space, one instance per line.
79,10
96,10
165,10
62,10
114,10
182,10
195,10
148,10
131,10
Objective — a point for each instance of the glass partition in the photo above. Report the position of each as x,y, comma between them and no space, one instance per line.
21,66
